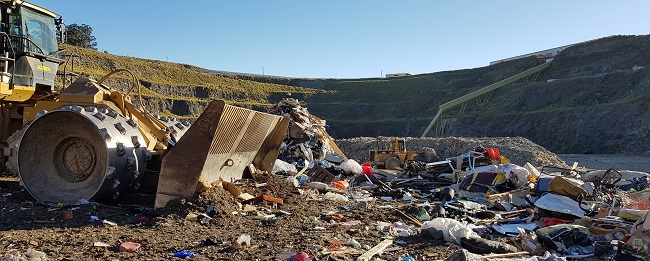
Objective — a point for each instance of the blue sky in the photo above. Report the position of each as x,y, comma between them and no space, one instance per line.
346,38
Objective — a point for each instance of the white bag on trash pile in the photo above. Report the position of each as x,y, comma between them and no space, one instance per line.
351,167
334,197
291,180
453,230
561,204
520,174
283,166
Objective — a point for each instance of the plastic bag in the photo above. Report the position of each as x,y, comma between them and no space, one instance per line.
334,197
291,180
282,166
453,230
520,174
351,167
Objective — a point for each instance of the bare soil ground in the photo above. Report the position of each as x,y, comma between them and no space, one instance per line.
27,225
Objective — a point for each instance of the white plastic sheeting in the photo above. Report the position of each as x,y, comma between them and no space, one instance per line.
559,203
519,172
463,254
283,166
453,230
513,229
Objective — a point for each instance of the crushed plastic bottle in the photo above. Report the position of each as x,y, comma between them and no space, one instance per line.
354,243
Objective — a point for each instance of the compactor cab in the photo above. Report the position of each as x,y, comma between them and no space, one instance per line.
394,156
29,52
29,59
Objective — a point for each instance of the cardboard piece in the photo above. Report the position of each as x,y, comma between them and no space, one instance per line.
266,198
245,196
231,187
249,208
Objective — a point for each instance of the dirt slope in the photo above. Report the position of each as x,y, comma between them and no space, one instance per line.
592,99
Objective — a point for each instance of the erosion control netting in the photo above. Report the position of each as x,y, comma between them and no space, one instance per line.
519,150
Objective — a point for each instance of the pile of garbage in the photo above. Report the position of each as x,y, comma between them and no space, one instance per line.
306,139
486,205
478,199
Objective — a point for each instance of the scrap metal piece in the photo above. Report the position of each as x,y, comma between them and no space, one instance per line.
220,144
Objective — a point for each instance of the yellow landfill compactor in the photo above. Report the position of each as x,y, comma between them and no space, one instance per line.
87,141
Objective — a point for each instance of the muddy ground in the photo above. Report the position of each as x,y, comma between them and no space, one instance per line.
27,225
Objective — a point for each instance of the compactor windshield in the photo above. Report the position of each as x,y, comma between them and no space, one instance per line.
33,31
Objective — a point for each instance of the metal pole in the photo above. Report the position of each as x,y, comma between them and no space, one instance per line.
424,134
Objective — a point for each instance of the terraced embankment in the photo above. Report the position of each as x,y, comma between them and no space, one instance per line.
177,89
593,98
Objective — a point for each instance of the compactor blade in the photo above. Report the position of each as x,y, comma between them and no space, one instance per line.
222,142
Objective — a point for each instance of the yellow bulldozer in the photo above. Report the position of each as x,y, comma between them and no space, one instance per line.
89,141
394,156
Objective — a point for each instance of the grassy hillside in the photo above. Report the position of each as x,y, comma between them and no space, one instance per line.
168,83
590,100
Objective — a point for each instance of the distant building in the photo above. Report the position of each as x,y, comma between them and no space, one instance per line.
391,75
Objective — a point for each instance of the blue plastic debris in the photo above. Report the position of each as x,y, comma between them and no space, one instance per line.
184,254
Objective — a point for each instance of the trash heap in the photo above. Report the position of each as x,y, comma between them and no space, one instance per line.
482,203
306,138
479,200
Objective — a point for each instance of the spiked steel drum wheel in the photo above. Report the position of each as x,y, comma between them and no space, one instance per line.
80,153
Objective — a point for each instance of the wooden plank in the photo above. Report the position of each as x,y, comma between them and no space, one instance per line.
374,250
347,251
412,219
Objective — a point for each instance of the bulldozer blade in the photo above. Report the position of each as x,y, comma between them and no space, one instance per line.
222,142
